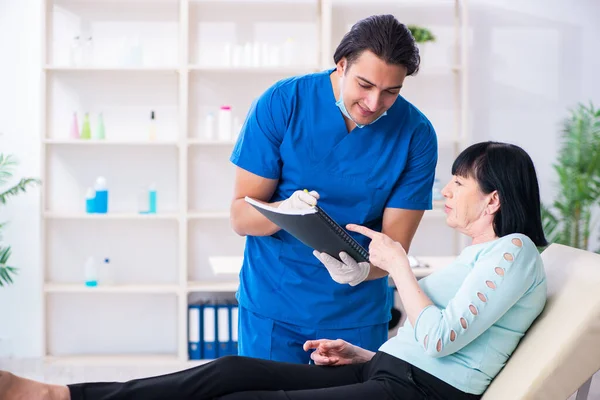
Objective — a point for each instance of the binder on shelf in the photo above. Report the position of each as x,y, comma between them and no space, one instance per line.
234,329
194,329
314,228
223,330
209,329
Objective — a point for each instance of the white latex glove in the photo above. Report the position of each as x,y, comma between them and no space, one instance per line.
348,271
300,200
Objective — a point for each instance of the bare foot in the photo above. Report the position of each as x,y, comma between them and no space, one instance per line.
13,387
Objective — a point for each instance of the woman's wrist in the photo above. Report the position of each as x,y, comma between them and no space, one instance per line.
361,355
399,266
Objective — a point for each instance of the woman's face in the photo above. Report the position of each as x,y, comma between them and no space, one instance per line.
468,209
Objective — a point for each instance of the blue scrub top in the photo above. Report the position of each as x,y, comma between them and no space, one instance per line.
295,133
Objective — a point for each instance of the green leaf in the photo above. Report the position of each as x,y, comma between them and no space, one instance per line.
421,34
20,187
578,171
7,166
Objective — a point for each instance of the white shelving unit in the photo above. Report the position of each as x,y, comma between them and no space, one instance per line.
161,260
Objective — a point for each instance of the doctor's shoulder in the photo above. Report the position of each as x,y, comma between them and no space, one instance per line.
409,117
286,91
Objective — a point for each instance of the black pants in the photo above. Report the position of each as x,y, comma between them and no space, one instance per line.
242,378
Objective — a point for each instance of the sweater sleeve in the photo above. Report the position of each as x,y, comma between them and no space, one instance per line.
498,280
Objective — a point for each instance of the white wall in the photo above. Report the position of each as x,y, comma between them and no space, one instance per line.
530,61
20,304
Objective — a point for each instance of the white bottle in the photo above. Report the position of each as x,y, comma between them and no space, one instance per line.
247,58
275,57
288,52
90,272
227,54
225,123
256,47
209,127
136,52
237,55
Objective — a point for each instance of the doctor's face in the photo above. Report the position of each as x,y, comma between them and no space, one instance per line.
369,86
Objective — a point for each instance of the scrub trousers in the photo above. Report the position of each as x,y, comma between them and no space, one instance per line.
262,337
241,378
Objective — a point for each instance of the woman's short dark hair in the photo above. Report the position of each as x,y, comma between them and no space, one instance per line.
509,170
383,35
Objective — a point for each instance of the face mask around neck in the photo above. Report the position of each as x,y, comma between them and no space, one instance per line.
340,104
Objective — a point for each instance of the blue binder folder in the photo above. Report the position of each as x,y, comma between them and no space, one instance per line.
224,330
194,329
209,337
234,329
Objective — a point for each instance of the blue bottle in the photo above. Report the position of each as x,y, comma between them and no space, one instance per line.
101,199
152,199
90,199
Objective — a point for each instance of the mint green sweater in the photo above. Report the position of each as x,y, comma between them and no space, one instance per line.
483,303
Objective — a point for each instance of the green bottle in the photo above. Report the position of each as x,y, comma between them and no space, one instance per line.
86,132
100,134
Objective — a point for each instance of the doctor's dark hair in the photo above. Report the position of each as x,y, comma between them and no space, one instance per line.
383,35
509,170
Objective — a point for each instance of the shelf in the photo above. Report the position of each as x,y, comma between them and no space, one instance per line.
97,142
213,287
255,70
111,216
66,68
183,77
124,289
246,2
208,142
112,360
209,215
396,3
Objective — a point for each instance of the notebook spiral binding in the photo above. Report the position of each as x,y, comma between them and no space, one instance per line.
344,235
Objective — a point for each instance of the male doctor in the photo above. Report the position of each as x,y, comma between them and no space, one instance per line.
367,156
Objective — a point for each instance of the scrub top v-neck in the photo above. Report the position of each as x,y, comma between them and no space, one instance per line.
295,133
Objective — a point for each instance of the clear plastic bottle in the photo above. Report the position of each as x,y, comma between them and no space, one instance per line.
209,127
90,272
76,52
88,51
106,273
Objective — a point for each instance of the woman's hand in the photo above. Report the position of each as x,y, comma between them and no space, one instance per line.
333,352
384,252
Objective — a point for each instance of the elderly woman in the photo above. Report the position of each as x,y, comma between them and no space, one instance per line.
463,324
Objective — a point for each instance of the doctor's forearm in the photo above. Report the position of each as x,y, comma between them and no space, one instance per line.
247,221
376,273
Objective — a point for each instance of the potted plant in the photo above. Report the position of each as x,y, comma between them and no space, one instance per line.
7,165
422,36
569,219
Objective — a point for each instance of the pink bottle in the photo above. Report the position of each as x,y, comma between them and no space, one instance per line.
75,127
